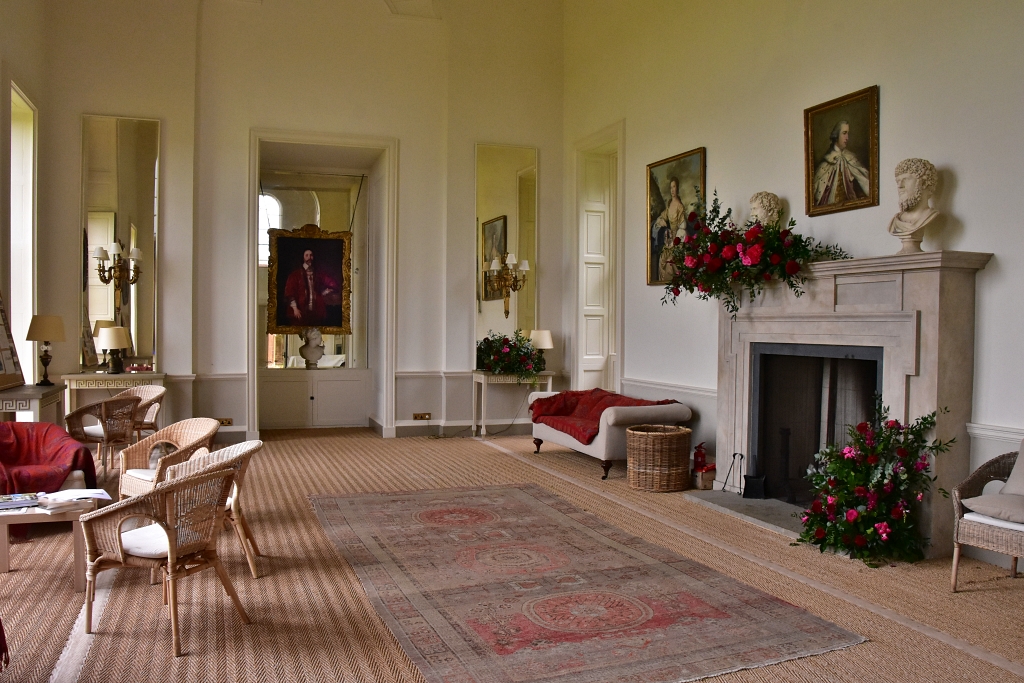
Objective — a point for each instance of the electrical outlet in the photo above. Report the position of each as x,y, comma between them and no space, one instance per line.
421,416
225,421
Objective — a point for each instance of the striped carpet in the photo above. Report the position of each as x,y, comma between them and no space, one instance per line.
312,621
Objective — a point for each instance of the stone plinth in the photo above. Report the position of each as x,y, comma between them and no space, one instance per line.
918,307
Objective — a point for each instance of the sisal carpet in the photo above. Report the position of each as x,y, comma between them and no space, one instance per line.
509,584
312,621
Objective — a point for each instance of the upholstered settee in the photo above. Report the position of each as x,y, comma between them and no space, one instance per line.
38,456
594,422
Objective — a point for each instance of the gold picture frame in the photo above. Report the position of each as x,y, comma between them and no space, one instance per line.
290,308
664,220
838,135
493,245
10,368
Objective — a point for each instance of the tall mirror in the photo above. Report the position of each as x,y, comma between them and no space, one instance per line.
506,228
120,211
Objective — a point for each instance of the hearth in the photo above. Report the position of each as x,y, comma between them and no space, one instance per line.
803,396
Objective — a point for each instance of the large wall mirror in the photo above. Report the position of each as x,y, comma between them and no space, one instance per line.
506,228
120,212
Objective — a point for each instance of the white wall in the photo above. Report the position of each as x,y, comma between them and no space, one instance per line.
735,78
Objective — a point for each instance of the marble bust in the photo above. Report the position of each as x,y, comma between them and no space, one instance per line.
915,181
313,348
765,208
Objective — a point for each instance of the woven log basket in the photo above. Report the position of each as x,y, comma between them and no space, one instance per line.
658,457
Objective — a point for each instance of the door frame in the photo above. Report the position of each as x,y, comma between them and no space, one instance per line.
610,137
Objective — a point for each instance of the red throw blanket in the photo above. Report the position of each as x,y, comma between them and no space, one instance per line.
578,413
38,456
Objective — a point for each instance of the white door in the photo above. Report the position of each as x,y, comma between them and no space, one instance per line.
596,354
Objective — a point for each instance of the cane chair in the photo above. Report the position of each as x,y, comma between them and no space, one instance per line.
152,396
237,455
185,515
974,530
185,437
116,418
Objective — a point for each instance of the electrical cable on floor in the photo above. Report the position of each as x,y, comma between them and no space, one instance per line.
501,431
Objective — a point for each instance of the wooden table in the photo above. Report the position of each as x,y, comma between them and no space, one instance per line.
34,516
34,400
486,378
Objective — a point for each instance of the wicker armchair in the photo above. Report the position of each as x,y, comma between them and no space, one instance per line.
186,437
182,539
116,418
152,396
238,456
978,534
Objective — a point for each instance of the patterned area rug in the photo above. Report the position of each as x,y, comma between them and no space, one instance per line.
513,583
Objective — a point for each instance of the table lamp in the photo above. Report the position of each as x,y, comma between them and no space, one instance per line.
114,339
541,339
100,324
45,329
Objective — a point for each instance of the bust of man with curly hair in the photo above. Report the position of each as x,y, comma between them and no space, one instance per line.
765,208
915,181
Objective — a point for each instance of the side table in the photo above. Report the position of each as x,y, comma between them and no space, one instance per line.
487,378
35,516
113,383
34,399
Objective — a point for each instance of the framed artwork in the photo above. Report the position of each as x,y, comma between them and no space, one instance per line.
493,245
309,281
672,187
10,368
841,153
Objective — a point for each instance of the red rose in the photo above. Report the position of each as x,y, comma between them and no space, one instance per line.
897,511
832,482
692,217
901,452
787,244
767,276
712,248
701,287
863,427
675,291
728,252
752,255
705,229
715,264
792,267
775,258
819,533
872,460
784,234
860,491
735,274
860,540
816,507
675,242
707,258
687,239
830,508
752,234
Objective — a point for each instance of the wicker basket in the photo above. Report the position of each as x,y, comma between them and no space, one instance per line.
658,457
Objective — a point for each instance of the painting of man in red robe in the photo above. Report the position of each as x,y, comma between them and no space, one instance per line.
307,291
308,285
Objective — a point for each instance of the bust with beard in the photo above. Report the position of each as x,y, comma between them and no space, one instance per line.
915,181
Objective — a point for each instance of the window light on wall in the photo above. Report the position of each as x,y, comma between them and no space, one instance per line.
270,219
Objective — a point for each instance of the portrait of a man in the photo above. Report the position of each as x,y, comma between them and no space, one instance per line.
841,150
672,186
309,281
494,245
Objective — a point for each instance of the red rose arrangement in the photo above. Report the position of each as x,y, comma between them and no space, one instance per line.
509,355
868,492
717,260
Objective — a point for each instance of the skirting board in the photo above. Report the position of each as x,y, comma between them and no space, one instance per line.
703,402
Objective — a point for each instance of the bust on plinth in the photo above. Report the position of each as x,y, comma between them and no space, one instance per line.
915,181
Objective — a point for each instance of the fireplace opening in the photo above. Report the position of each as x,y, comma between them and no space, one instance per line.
804,396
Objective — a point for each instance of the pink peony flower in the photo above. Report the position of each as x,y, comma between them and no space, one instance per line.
851,516
803,520
883,530
872,500
888,487
831,500
849,452
894,424
920,497
690,262
505,350
752,255
919,465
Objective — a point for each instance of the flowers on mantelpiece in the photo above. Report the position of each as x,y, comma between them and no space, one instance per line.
504,355
868,493
717,260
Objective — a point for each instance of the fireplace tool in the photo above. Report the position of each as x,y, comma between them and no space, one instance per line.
727,474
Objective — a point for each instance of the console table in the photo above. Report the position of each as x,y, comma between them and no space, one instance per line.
484,379
33,399
102,380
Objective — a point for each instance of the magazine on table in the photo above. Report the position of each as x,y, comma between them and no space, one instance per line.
18,500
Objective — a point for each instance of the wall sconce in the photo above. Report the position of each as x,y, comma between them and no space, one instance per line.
45,329
507,277
118,271
114,339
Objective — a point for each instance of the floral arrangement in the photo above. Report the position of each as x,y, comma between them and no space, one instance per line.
718,261
504,355
868,493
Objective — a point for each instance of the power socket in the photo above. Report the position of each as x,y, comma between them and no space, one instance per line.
421,416
226,421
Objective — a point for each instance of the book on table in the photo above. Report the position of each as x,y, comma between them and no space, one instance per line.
18,500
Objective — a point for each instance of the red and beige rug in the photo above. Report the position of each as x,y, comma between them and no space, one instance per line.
512,583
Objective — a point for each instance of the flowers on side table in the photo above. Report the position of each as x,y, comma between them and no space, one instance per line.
719,261
504,355
868,493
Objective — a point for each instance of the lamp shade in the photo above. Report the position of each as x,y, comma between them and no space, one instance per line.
495,265
524,265
101,254
113,338
510,260
135,254
115,249
46,328
541,339
100,324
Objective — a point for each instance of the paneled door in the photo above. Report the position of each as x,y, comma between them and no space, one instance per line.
596,355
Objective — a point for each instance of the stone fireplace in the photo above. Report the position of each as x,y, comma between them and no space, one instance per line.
915,311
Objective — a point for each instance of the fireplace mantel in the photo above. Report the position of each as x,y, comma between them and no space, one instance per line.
918,307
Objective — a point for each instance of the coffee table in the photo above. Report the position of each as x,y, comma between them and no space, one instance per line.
35,516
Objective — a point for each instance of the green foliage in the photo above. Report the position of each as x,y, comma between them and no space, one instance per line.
869,493
718,261
503,355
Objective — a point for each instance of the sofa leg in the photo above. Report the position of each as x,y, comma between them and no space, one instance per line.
537,443
607,465
956,566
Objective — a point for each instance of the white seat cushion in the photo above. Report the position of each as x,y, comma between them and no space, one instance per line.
148,475
94,431
1005,506
992,521
75,480
147,541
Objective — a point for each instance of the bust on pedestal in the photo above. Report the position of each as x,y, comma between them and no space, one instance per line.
915,181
